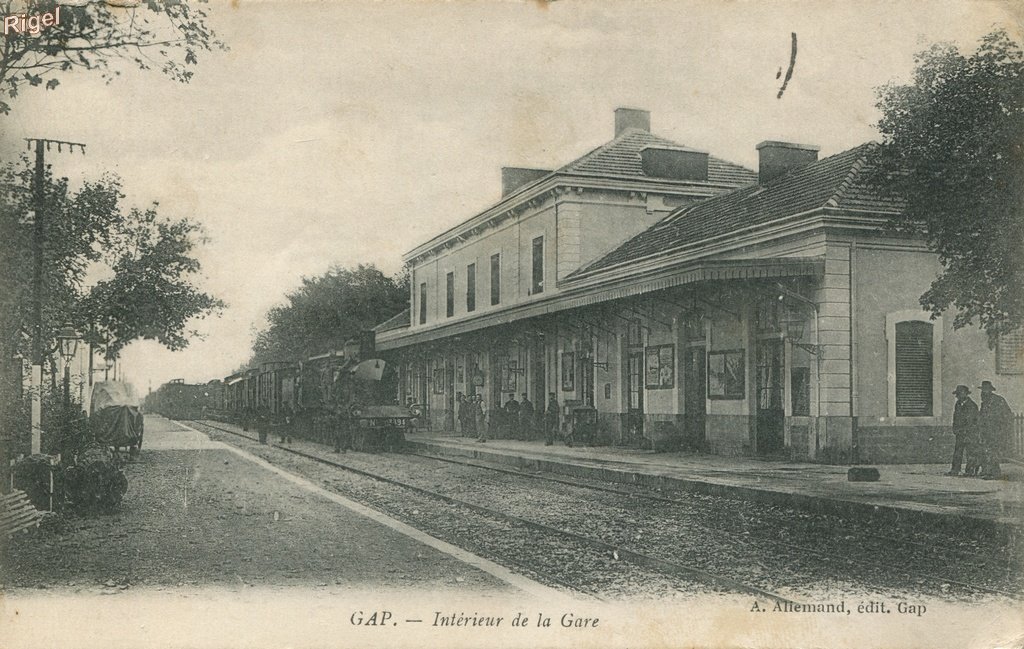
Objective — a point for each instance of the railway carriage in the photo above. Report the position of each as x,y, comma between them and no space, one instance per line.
179,400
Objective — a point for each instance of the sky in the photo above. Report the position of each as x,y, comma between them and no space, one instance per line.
345,132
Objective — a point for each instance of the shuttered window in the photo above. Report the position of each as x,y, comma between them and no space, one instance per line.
537,285
914,369
495,279
449,287
1010,352
471,288
423,303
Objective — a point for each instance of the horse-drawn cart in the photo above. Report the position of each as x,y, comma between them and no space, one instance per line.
115,418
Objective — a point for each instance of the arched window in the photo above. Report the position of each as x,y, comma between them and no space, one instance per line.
914,364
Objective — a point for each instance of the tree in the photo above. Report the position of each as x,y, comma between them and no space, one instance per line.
326,311
145,261
952,152
151,294
165,34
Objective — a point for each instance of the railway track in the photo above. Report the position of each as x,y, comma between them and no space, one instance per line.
672,569
1007,564
641,559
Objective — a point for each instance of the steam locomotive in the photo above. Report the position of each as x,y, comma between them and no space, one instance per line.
343,397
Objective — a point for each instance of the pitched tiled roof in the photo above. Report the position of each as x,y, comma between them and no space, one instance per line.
398,321
621,157
838,181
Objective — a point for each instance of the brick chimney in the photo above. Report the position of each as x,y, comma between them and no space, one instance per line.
778,158
512,178
631,118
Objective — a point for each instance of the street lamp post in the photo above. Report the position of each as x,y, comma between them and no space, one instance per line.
67,339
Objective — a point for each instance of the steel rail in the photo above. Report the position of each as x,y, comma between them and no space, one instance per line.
662,499
663,566
785,545
525,568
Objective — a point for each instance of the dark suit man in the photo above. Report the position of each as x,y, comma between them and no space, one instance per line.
995,425
551,419
512,417
526,418
965,430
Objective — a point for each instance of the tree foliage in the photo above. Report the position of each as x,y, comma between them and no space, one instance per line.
167,35
116,274
326,311
953,151
153,269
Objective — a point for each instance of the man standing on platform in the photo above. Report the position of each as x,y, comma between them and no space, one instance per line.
480,416
512,417
965,430
341,429
526,415
461,411
995,425
551,418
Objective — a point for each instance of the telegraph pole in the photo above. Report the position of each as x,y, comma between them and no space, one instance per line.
38,285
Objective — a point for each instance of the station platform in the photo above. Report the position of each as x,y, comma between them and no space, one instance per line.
905,493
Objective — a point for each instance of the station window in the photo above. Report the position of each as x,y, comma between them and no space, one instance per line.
423,303
767,314
635,334
495,279
449,300
538,266
1010,352
800,391
471,288
914,369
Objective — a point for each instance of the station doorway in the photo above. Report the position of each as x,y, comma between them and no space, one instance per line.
771,410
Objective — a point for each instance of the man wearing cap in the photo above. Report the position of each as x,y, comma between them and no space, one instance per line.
965,430
995,425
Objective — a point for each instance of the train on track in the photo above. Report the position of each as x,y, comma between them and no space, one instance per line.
180,400
343,397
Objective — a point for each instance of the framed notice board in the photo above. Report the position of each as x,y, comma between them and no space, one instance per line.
726,374
660,373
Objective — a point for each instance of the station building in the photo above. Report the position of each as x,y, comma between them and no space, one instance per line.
696,304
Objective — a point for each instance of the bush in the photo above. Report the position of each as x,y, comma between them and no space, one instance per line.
90,482
32,475
66,430
94,483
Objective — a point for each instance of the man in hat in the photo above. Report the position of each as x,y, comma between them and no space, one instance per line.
995,426
551,420
965,430
526,416
462,410
479,416
512,430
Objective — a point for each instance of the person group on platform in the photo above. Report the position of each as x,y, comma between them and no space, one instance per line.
983,436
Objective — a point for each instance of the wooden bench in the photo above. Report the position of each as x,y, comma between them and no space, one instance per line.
17,513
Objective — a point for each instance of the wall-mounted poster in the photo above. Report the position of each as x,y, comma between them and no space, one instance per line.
661,367
460,376
439,380
726,374
568,371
